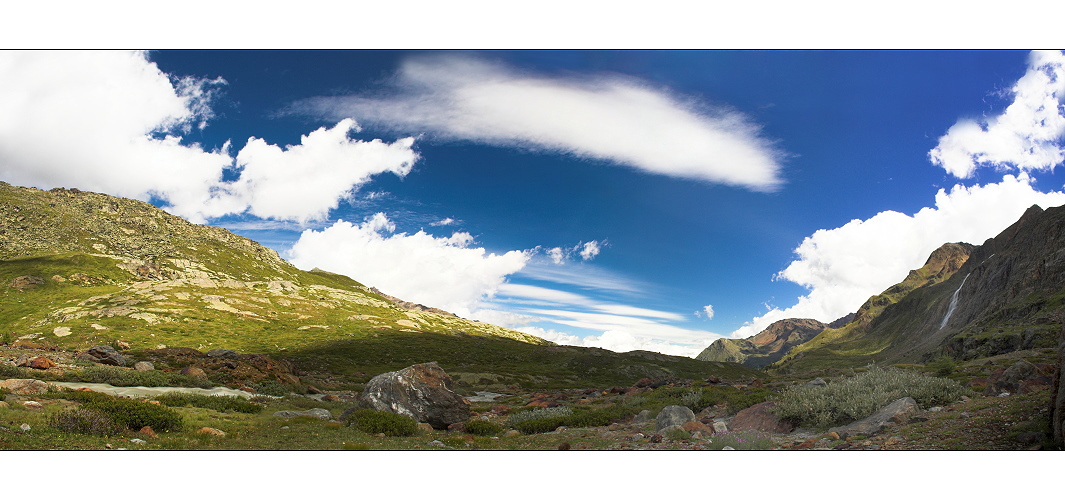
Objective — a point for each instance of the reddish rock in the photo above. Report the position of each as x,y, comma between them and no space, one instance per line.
760,418
330,397
457,427
41,363
564,446
697,426
757,383
148,432
211,431
192,371
805,445
643,382
501,409
714,379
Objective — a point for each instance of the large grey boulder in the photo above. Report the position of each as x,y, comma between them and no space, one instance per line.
673,415
423,392
319,413
895,412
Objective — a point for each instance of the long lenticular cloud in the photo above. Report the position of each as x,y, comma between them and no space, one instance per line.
605,117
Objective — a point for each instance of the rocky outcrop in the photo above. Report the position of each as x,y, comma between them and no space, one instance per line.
423,392
895,412
24,386
1057,395
103,354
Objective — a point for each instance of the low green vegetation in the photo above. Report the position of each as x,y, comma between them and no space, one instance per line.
379,422
122,412
857,397
217,403
482,428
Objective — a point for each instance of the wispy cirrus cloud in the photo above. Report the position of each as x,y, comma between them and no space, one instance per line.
605,117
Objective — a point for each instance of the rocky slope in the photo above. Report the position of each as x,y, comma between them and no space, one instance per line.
966,302
82,268
766,347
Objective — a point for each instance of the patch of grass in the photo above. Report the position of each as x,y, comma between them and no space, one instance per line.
128,413
217,403
482,428
86,421
378,422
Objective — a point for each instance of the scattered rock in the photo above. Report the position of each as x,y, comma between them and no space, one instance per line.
24,386
673,415
424,427
437,443
211,431
143,366
728,448
41,363
423,392
138,441
103,354
457,427
895,412
61,331
760,417
1057,395
720,427
511,433
331,397
319,413
25,427
697,426
564,446
23,283
147,431
33,405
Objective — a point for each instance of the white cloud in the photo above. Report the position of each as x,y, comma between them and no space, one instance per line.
305,181
105,121
602,117
443,222
617,341
1026,136
558,256
437,272
590,250
112,121
707,312
843,267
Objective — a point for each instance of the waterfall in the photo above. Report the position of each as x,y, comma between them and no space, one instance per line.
953,303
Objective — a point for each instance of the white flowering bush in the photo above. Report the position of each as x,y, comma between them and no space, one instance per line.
857,397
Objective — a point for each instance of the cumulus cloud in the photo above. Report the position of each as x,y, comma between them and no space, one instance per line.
590,250
1026,136
439,272
447,221
304,182
602,117
707,312
843,267
112,121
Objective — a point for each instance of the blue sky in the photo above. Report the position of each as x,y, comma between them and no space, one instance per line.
623,199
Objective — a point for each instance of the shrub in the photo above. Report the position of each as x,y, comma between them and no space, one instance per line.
218,403
482,428
128,413
857,397
86,421
119,377
376,422
942,366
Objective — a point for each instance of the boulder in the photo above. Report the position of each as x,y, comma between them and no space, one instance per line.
211,431
673,415
24,386
143,366
817,382
26,282
192,371
223,353
642,418
760,417
895,412
423,392
41,363
103,354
